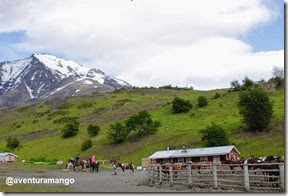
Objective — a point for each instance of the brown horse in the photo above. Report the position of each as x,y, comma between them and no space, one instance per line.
165,170
125,166
194,166
114,160
74,163
232,163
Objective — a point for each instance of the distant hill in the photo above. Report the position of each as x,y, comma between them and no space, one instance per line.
43,76
38,126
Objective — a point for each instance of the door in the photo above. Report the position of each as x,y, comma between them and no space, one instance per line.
216,159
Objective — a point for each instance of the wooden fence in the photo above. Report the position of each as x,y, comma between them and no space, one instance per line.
221,176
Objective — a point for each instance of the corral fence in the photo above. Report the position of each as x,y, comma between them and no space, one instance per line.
268,177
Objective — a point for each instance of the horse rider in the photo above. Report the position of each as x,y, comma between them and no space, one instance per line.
93,159
77,158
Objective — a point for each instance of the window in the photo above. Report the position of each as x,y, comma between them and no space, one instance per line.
202,159
165,161
180,160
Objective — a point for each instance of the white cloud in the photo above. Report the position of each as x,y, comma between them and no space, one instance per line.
148,42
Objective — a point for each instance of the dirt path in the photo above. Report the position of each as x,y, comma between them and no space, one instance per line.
103,181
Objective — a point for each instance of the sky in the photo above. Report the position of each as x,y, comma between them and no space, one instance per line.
204,44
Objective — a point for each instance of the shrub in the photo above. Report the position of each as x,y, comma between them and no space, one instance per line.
117,132
214,135
180,105
255,108
65,120
86,104
86,145
12,143
93,130
247,83
235,85
71,129
202,101
216,96
142,124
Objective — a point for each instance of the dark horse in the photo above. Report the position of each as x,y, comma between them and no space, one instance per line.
94,166
74,163
125,166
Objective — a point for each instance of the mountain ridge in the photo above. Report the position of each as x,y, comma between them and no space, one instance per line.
40,76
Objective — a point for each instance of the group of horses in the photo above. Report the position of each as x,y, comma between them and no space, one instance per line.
94,166
83,163
263,163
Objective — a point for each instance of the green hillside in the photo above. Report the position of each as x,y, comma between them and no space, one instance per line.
38,126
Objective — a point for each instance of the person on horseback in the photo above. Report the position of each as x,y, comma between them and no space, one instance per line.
77,158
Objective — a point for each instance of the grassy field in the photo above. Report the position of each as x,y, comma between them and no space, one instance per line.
38,127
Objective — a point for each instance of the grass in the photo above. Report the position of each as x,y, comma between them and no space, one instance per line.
176,129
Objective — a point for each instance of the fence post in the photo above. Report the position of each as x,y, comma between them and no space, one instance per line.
160,174
153,175
246,177
189,176
282,177
171,175
215,176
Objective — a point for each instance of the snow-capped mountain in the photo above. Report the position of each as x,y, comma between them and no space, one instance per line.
43,76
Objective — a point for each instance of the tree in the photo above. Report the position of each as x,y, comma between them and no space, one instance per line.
86,145
214,135
256,108
117,132
202,101
93,130
247,83
12,143
71,129
278,76
235,85
180,105
142,124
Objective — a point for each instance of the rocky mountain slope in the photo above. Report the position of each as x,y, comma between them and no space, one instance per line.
43,76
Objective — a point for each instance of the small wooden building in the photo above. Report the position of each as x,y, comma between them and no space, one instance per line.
8,157
209,154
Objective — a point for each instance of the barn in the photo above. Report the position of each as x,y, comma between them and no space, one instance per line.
8,157
208,154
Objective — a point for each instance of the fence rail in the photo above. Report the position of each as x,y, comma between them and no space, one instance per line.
267,176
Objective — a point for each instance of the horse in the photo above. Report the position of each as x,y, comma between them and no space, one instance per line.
125,166
194,166
114,160
165,170
74,163
94,166
231,162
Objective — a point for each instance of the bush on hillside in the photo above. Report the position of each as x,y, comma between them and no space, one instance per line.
117,132
12,143
142,124
235,85
202,101
86,145
71,129
214,135
93,130
180,105
217,95
256,108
